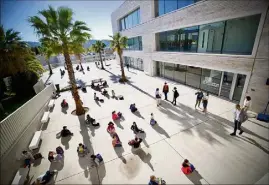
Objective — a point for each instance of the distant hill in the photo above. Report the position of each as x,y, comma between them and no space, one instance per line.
86,45
33,44
91,42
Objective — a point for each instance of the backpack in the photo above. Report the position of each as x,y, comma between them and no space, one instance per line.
99,157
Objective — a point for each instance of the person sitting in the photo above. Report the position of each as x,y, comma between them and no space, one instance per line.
113,94
82,150
51,157
98,88
64,104
104,83
91,120
45,178
28,158
152,120
88,68
97,158
136,129
187,168
92,85
116,140
135,142
186,161
116,116
153,180
110,128
95,97
133,108
65,132
105,93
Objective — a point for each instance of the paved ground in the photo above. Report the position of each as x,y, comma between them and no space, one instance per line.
182,133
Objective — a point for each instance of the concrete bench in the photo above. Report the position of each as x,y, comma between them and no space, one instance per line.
45,117
20,176
35,141
51,103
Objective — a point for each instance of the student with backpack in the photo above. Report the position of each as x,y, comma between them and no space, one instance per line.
97,158
176,95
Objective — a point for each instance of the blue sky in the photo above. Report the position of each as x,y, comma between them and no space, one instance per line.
96,14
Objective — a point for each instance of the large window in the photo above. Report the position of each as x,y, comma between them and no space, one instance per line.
136,63
134,43
185,39
130,20
165,6
240,35
236,36
210,37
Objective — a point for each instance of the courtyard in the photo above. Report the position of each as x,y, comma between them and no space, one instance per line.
182,133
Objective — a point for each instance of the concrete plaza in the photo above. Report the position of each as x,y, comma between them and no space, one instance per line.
182,132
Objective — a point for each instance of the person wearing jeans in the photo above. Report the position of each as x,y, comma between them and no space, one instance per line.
237,121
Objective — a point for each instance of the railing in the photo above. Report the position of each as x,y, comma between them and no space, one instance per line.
14,125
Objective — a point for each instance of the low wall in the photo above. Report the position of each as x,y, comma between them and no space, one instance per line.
17,131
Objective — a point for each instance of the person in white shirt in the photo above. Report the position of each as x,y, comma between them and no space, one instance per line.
237,121
205,102
158,97
247,103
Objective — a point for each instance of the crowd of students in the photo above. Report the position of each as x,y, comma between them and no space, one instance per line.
240,115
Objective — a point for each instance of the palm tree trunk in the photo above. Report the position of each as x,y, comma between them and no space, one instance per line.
79,108
102,65
49,66
123,77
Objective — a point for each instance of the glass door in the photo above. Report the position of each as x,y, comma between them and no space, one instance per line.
239,86
226,84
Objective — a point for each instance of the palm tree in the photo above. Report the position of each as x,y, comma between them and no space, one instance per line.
57,28
46,51
119,43
13,52
99,47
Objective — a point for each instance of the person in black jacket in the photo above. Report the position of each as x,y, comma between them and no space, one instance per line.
199,98
65,132
136,129
176,95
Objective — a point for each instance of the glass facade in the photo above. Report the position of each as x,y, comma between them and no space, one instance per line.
134,43
212,81
165,6
136,63
236,36
130,20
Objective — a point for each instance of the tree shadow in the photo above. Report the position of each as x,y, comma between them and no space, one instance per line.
253,142
257,124
195,177
145,157
48,79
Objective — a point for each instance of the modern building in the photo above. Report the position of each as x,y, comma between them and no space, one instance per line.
218,46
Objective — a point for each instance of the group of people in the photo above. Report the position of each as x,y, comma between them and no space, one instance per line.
158,95
201,97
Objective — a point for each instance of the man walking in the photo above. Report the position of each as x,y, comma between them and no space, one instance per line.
127,65
199,98
165,90
176,94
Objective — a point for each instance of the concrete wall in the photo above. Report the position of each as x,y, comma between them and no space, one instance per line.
257,88
17,131
202,12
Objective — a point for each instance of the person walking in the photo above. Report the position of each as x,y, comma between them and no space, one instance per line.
158,97
127,65
205,102
165,90
199,97
237,121
176,95
247,103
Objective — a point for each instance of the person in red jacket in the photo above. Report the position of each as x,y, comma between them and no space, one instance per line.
165,90
187,167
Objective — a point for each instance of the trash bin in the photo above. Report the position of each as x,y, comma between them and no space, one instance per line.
57,88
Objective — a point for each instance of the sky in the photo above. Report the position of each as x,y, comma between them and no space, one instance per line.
96,14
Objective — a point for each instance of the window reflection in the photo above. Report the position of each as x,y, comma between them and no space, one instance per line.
136,63
235,36
130,20
134,43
